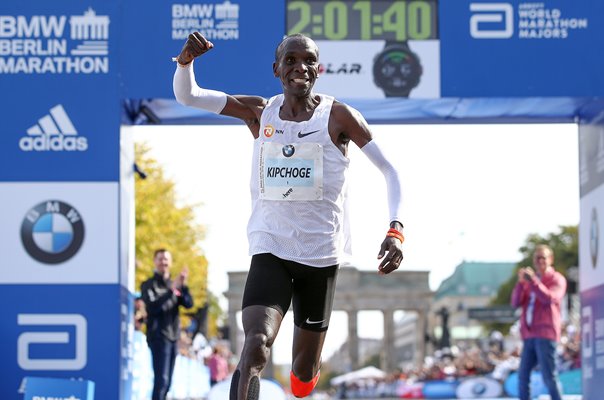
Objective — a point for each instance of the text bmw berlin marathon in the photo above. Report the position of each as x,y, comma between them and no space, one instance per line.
54,44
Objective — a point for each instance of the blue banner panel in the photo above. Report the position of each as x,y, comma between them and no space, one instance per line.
245,35
521,48
592,343
126,356
59,98
36,388
61,331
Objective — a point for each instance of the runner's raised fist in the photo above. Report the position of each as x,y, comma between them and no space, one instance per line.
195,46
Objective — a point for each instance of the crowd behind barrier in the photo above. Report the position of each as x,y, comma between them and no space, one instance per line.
191,378
478,369
470,370
199,363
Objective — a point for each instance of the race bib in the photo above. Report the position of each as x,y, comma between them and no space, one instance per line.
291,171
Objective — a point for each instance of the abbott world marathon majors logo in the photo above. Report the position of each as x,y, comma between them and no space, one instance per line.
53,132
54,44
534,21
213,21
52,232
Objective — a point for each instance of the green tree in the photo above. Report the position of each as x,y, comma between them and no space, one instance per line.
565,245
162,222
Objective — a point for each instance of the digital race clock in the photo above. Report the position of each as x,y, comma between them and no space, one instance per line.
395,20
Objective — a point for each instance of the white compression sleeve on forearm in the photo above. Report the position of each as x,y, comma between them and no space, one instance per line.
393,185
188,93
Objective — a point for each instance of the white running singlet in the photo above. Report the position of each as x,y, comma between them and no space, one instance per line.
298,189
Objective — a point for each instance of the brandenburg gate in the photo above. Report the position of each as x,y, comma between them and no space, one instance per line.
356,291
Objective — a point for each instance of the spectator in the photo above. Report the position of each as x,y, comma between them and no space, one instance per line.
218,365
162,298
539,292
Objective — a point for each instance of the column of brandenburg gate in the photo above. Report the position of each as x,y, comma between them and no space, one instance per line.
358,291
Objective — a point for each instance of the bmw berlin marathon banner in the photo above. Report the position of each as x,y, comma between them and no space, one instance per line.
60,72
71,73
66,326
40,44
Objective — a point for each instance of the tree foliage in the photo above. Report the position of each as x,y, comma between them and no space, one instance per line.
161,222
565,245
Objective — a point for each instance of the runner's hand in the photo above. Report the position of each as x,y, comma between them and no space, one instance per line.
195,46
394,257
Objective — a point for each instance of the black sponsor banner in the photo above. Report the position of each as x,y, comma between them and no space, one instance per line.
493,314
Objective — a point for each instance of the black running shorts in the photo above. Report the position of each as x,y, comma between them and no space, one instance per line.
275,283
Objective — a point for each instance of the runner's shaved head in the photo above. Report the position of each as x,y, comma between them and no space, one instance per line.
295,36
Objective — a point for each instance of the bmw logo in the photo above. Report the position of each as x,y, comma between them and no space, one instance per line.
52,232
288,150
594,237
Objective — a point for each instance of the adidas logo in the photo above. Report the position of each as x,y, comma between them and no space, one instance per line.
53,132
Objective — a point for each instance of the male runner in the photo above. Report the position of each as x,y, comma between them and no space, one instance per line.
297,230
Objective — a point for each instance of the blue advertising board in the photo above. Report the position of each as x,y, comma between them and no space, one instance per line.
61,331
59,174
60,137
35,388
244,33
59,80
521,48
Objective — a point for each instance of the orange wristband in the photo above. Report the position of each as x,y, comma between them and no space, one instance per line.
395,234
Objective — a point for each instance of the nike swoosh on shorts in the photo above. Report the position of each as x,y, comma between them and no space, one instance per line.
308,321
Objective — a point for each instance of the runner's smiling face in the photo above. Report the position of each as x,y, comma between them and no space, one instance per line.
297,65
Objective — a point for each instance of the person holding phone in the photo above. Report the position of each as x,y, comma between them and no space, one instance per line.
539,292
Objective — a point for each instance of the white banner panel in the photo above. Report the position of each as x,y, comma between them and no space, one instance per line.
127,209
59,232
378,69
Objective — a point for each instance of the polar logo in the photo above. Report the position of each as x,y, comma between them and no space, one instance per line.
38,337
491,20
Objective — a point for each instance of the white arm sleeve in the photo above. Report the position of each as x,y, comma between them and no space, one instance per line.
393,185
188,93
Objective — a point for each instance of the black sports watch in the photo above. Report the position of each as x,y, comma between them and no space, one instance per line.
396,69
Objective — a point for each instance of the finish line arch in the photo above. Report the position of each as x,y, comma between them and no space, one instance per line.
72,74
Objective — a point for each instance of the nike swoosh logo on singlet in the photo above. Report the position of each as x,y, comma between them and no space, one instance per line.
301,135
308,321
